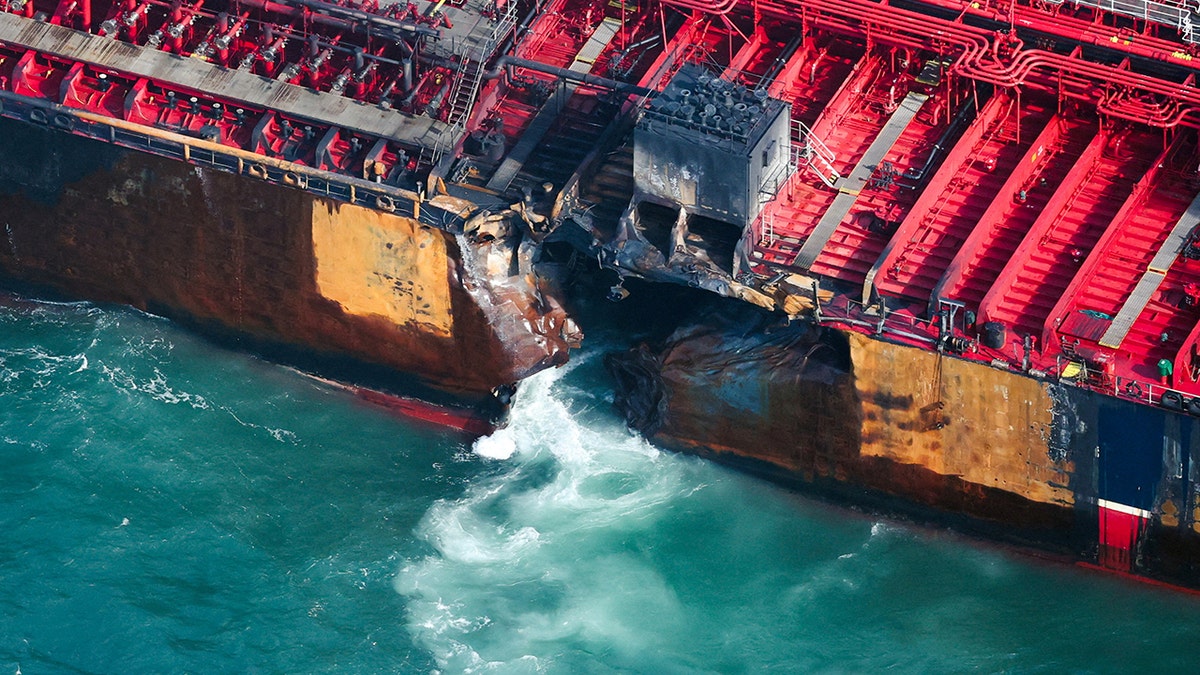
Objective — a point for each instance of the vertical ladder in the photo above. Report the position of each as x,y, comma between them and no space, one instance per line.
767,237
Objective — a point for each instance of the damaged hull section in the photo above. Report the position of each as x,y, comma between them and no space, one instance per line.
940,439
325,284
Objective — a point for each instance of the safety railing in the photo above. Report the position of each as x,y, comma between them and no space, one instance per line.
465,90
1153,393
877,320
807,151
1180,14
767,229
351,190
466,86
903,327
814,154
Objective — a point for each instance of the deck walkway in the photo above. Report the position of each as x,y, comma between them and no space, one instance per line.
850,186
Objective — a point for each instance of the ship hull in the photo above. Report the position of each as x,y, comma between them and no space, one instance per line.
1040,464
347,291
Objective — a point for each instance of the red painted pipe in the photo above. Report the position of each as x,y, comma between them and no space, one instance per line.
1054,22
915,29
980,58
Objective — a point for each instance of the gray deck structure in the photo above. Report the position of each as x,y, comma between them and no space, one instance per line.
255,91
545,117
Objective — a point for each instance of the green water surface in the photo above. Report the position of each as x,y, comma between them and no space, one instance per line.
170,507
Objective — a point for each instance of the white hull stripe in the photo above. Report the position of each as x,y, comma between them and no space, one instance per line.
1114,506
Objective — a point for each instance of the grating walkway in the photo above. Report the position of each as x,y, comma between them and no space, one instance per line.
850,186
197,75
1153,277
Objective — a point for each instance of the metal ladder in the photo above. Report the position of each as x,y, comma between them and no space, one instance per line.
815,154
466,88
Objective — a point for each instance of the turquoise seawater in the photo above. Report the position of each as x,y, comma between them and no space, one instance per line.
167,506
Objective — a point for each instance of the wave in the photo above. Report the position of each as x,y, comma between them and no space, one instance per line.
57,351
522,557
155,387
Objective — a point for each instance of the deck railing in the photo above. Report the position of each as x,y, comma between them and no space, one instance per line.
199,152
1181,15
813,153
903,327
466,86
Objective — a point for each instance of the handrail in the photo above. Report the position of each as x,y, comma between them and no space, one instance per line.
815,154
903,327
472,78
446,215
1178,15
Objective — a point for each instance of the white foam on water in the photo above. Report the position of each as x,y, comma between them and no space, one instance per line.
530,569
281,435
25,369
588,550
500,445
155,386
